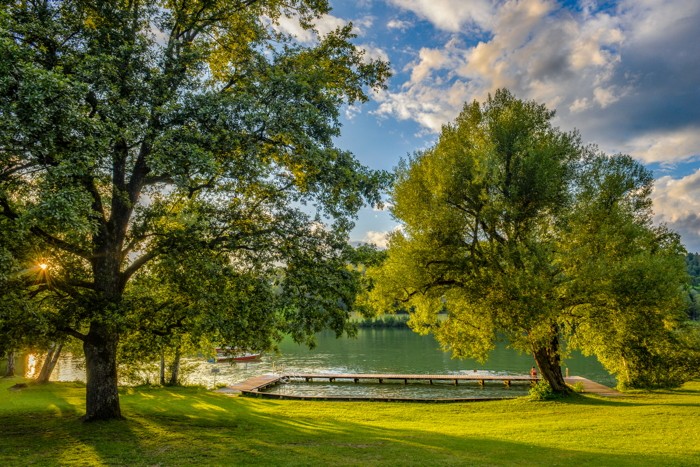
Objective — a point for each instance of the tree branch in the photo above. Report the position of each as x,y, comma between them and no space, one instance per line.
7,210
72,332
61,244
138,264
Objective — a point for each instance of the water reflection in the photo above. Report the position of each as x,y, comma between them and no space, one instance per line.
397,390
31,366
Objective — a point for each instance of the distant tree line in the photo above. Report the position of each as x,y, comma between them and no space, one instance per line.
692,261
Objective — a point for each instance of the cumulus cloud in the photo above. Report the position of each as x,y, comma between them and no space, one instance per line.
451,15
322,26
398,24
627,78
327,23
373,52
677,203
376,238
665,145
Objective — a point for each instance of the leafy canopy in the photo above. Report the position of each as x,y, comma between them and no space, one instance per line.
171,158
518,230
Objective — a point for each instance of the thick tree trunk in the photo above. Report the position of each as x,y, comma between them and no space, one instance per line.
175,369
50,363
10,364
549,364
102,397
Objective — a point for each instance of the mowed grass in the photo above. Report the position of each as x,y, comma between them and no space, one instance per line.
40,425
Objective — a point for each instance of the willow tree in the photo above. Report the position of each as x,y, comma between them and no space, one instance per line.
517,230
130,130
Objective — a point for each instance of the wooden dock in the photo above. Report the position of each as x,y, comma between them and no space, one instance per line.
480,379
256,385
591,387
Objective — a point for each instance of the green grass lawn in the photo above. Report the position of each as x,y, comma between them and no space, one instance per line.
40,425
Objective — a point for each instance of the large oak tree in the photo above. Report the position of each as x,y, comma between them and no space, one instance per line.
136,130
520,232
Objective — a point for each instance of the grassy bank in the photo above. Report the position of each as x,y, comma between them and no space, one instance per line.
189,426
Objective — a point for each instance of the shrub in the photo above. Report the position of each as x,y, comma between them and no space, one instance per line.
577,387
542,391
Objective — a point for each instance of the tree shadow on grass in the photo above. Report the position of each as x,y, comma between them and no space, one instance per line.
637,398
193,427
593,400
244,435
45,427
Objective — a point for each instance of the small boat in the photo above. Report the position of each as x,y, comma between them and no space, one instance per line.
231,355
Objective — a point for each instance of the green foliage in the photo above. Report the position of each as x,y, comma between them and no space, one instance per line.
692,261
693,303
577,387
542,391
517,229
142,140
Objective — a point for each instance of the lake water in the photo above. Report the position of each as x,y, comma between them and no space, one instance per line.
373,351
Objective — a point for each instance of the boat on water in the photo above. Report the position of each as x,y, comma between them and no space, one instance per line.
232,355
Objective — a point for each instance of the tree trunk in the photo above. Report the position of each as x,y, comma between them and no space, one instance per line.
102,397
10,364
549,364
162,368
175,368
50,363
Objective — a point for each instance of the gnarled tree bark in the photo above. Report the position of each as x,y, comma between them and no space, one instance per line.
549,363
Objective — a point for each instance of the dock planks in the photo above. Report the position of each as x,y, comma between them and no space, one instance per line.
254,386
380,378
591,387
257,383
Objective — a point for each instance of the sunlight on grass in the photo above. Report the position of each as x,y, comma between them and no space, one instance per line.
191,426
83,455
205,406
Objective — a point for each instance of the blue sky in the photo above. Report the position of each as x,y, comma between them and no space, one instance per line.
625,73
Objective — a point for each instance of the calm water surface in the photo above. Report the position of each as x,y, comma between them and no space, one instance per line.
373,351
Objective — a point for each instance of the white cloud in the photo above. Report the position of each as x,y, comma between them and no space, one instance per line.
432,107
291,26
361,25
677,203
324,25
451,15
626,77
398,24
665,146
428,60
605,96
376,238
579,105
373,52
352,111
